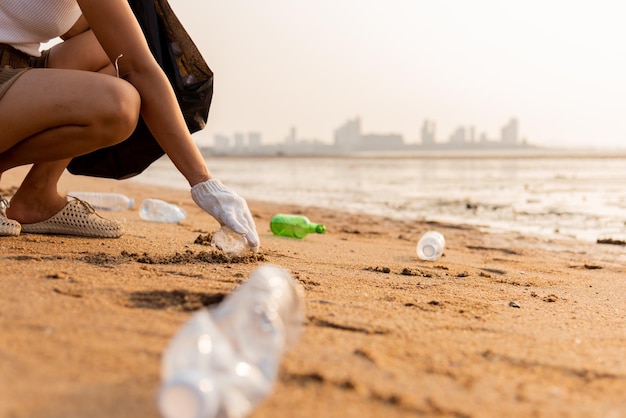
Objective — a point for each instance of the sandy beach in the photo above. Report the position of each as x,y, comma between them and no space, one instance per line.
502,325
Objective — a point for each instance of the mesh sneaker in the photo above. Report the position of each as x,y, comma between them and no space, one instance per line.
8,227
77,218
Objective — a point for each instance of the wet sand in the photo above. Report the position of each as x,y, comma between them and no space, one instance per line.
502,325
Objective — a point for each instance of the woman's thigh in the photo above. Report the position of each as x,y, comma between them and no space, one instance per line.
43,99
81,52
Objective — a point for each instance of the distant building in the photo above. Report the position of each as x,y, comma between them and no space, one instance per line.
291,139
458,137
428,133
377,142
509,133
254,141
348,135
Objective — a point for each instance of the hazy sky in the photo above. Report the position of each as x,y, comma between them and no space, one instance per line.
559,66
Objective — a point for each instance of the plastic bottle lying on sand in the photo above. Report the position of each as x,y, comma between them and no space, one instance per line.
231,243
157,210
113,202
294,226
224,360
431,245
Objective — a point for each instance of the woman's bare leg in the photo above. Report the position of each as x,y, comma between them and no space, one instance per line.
73,113
38,198
51,114
87,111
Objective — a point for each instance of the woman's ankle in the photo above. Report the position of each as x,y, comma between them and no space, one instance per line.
30,210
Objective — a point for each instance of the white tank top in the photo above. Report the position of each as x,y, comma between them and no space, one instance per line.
26,24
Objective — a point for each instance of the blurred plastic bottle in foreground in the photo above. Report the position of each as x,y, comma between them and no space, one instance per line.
113,202
156,210
294,226
231,243
431,245
224,361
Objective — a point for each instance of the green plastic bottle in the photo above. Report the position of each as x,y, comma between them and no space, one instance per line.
294,226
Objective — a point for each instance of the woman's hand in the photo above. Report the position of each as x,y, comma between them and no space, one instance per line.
228,208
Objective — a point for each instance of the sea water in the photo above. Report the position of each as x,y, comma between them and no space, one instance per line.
582,198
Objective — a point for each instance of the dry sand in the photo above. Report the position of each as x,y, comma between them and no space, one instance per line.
501,326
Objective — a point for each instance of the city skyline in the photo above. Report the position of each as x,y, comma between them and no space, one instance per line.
349,137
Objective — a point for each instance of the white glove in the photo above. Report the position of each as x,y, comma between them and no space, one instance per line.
227,207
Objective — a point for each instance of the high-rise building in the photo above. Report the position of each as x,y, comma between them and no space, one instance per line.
348,135
254,140
428,133
510,133
291,139
458,137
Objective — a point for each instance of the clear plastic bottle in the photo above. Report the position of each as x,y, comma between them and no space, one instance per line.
113,202
430,246
157,210
231,243
224,361
294,226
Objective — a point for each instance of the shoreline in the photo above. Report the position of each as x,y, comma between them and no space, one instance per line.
535,153
543,214
502,325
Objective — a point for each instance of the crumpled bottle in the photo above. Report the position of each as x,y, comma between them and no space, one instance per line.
224,361
230,243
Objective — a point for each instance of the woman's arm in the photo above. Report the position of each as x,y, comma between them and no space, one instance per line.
79,27
117,30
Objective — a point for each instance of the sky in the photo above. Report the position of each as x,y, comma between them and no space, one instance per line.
558,66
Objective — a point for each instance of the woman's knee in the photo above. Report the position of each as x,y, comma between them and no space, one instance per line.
118,112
